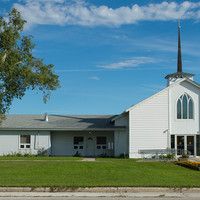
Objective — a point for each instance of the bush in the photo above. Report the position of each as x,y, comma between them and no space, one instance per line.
123,155
164,156
170,156
77,154
42,152
18,154
184,155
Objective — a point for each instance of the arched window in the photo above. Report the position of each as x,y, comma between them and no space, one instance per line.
185,107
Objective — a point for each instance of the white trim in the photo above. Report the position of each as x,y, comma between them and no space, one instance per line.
25,144
195,145
185,143
189,98
169,123
172,85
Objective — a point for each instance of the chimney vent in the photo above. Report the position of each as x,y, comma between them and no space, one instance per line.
46,117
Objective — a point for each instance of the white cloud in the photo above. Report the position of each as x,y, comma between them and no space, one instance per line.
65,12
129,63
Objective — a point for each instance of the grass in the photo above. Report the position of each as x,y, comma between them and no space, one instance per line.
103,172
38,158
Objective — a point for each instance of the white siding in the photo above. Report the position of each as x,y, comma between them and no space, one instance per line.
10,142
120,136
148,124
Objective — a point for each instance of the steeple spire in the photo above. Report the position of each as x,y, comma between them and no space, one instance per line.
179,74
179,58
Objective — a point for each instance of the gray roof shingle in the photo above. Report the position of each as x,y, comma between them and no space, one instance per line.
59,122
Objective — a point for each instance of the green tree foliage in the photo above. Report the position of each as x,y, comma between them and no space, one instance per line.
19,69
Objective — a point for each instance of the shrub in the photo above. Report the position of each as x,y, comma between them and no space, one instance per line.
170,156
42,152
123,155
164,156
185,156
18,154
77,154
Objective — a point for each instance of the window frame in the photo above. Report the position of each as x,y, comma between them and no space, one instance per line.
102,146
25,144
172,141
80,144
182,108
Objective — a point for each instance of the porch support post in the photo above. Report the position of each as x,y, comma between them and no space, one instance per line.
185,144
195,145
175,137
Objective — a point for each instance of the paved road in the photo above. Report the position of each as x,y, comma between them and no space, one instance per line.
96,198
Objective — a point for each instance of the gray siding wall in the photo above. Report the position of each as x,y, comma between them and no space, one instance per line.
63,143
121,136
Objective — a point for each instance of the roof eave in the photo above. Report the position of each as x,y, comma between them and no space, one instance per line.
179,75
63,129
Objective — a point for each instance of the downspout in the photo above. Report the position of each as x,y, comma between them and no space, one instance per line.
129,134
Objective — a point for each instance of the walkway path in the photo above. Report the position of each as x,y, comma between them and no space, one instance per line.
88,159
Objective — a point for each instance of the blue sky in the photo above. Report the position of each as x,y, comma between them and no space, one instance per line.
109,54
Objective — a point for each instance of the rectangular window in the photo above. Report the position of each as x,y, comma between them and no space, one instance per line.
25,141
101,142
190,145
78,142
172,141
180,145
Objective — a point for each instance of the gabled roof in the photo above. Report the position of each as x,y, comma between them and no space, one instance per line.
192,82
59,122
172,85
147,99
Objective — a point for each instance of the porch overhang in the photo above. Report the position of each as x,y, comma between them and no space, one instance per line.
64,129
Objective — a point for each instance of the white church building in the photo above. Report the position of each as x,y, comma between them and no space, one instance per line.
167,120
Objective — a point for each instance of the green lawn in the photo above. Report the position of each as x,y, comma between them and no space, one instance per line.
38,158
103,172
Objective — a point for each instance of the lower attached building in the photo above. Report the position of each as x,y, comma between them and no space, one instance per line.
62,135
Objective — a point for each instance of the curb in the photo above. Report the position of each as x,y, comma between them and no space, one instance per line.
100,189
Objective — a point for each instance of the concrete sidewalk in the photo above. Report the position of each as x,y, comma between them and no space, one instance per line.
100,192
89,194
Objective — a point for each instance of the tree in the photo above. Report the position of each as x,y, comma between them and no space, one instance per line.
19,69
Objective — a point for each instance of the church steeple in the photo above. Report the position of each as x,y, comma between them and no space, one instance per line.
179,74
179,57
